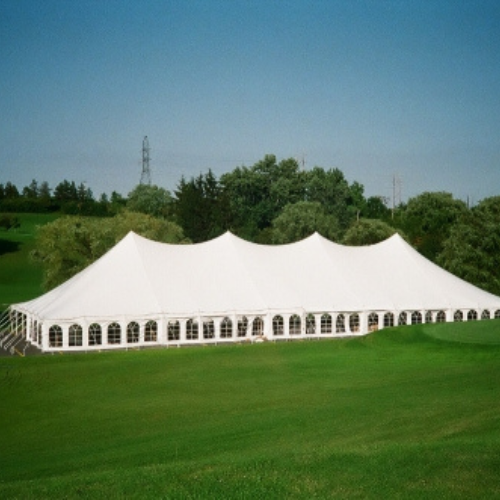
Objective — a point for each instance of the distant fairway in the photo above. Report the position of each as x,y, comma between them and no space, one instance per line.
20,278
397,414
483,332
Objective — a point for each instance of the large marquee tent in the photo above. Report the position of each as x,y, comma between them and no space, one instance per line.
143,293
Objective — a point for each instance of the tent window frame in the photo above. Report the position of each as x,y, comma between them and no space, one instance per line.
208,329
441,317
151,331
458,316
242,327
55,336
354,322
278,325
388,320
192,330
472,315
114,333
133,331
95,334
416,318
226,328
310,324
257,327
326,324
402,318
294,325
340,324
75,336
173,331
372,322
485,314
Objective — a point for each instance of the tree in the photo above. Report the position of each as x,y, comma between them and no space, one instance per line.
376,208
472,249
201,207
69,244
150,199
367,232
257,195
428,219
301,219
331,189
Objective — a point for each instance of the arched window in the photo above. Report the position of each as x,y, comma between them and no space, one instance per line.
373,322
114,333
388,320
402,319
485,314
191,329
226,328
208,329
173,330
354,323
151,331
39,336
428,317
95,334
497,314
133,333
242,327
55,336
326,323
278,325
458,316
310,324
294,325
257,327
75,337
416,318
472,315
440,317
340,324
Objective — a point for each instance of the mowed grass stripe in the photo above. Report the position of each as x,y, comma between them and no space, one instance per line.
393,414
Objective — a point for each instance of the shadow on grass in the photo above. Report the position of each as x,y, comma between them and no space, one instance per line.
7,246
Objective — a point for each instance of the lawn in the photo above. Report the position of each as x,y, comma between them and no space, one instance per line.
20,277
397,414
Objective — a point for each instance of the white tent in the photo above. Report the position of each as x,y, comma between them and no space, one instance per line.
146,293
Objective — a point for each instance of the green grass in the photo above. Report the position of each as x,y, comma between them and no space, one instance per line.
397,414
484,332
20,278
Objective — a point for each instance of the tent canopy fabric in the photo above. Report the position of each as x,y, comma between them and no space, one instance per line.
140,278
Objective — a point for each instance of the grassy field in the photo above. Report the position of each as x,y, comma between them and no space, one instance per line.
20,278
397,414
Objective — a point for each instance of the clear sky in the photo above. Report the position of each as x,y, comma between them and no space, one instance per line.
374,88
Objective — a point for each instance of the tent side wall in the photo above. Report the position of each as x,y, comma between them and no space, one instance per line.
126,333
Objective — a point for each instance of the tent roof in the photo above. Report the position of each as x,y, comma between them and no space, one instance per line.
141,278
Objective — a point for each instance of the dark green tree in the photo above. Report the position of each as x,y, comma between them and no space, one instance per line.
472,249
257,195
428,219
200,207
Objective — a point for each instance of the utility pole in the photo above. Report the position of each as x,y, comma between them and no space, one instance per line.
146,172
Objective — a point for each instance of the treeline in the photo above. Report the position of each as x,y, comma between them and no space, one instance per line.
278,202
66,198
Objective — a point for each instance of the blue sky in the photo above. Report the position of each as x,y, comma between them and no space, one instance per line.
374,88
